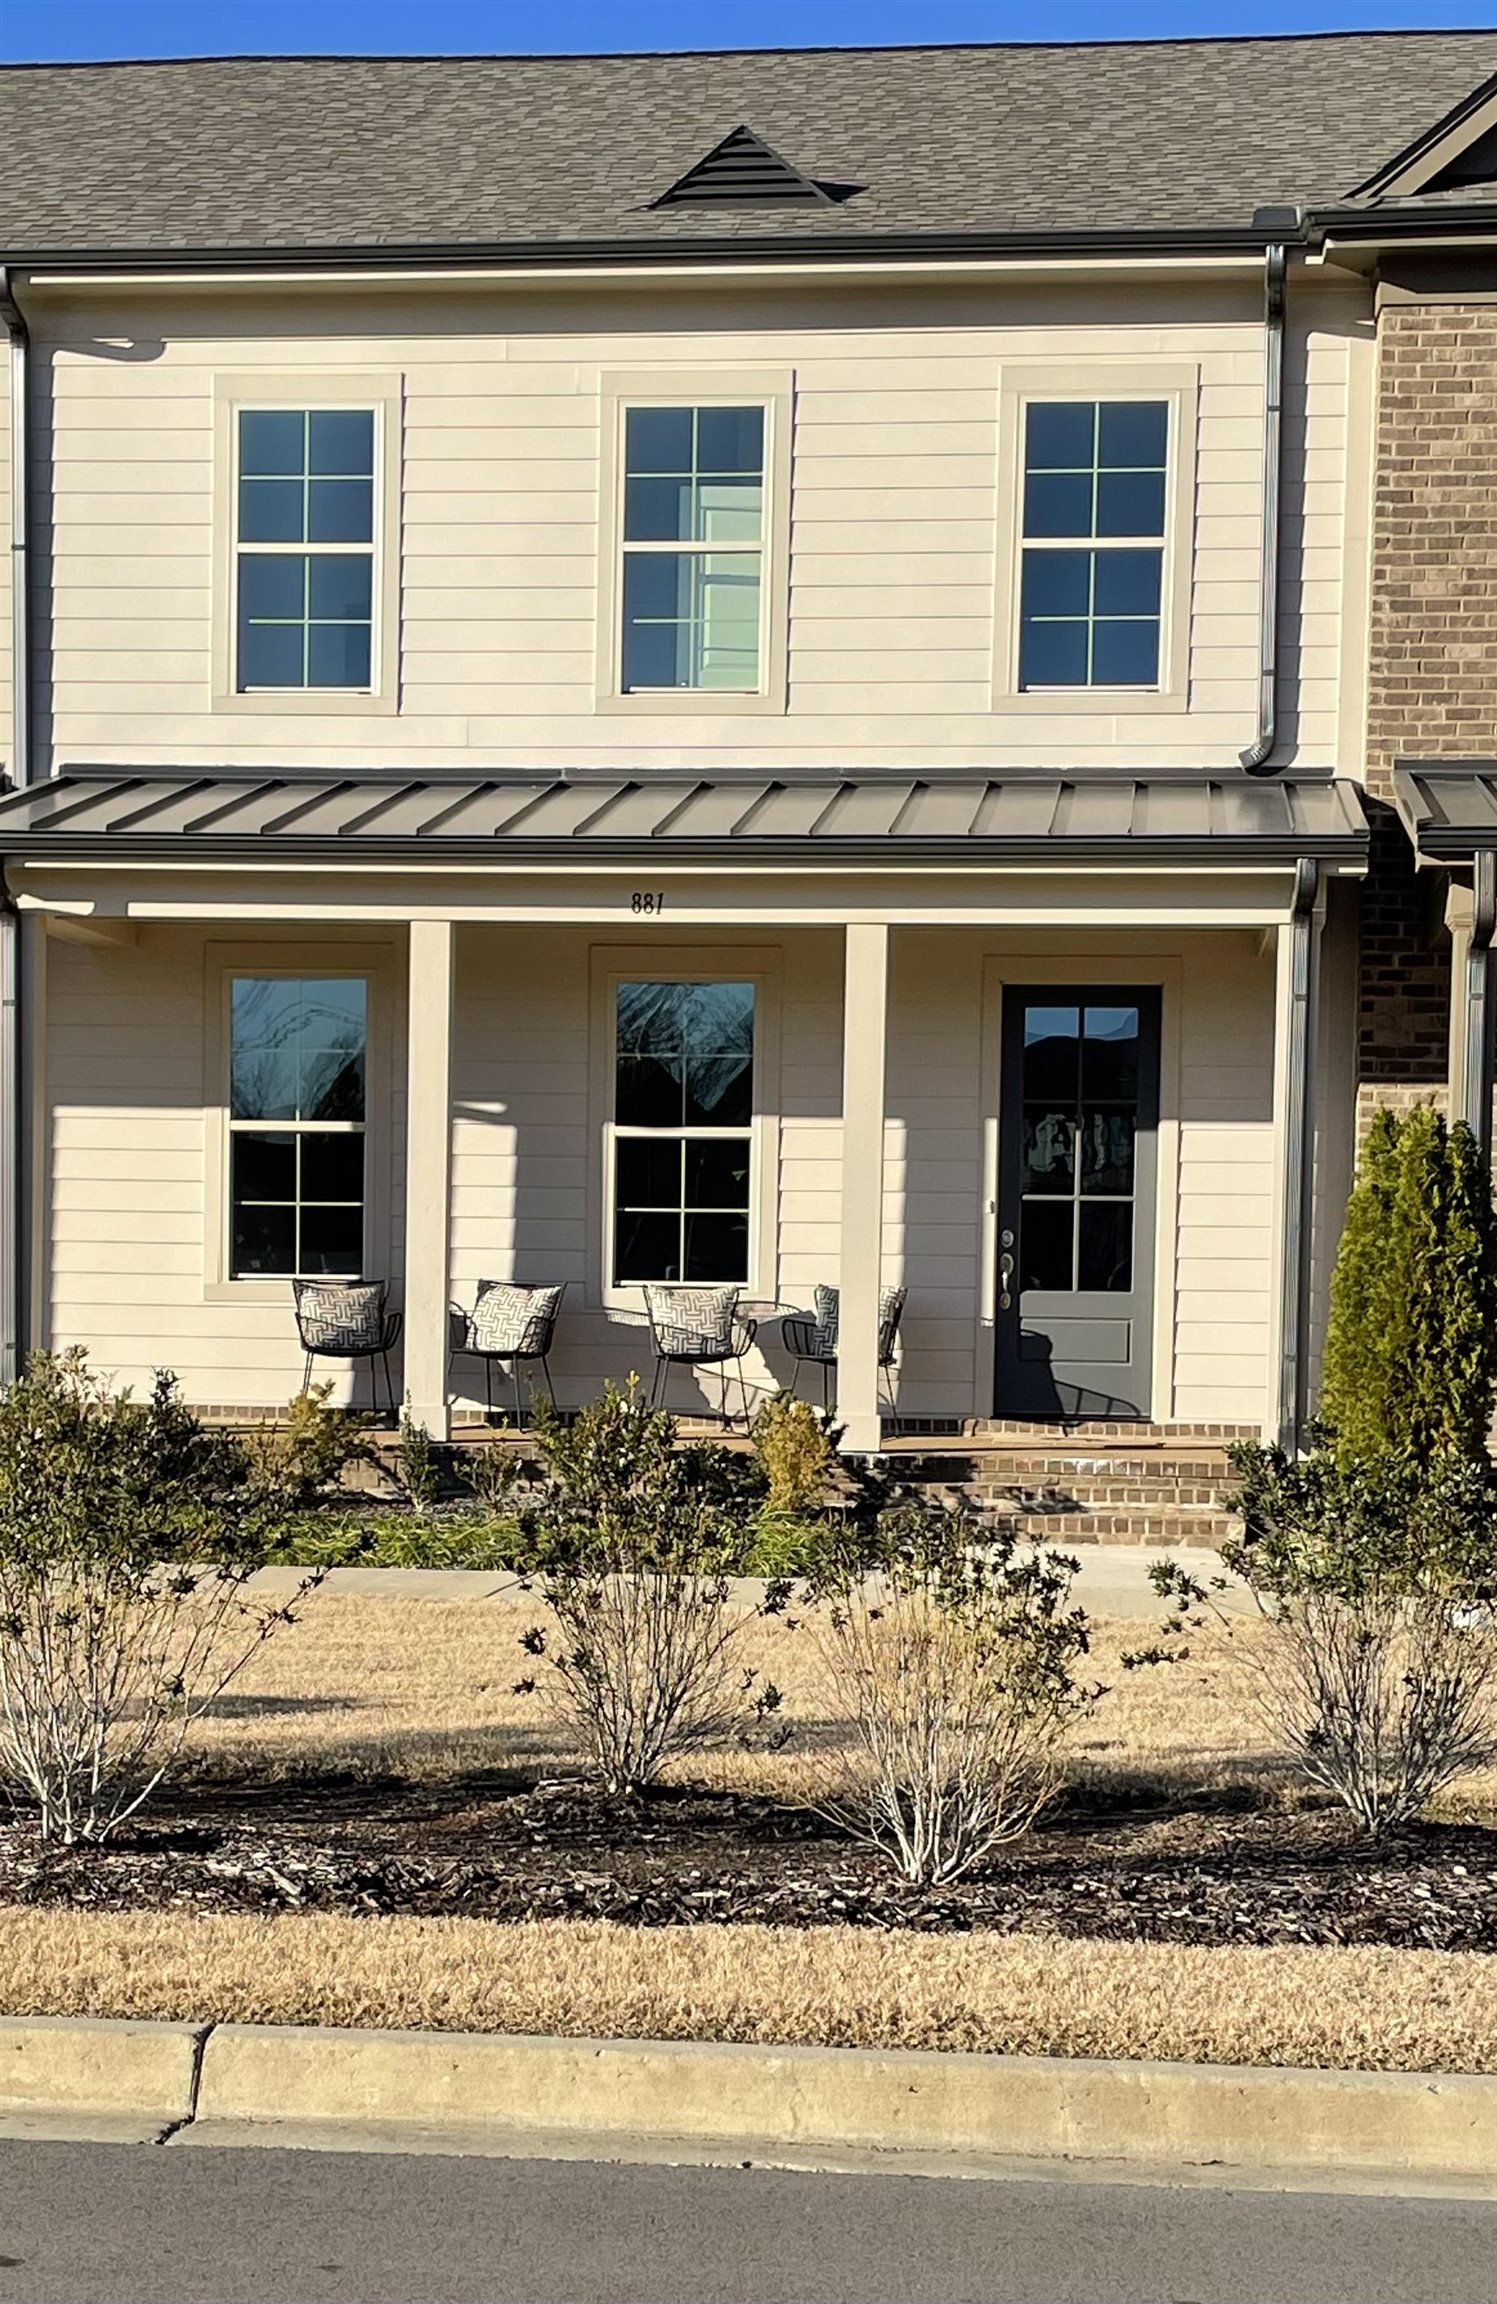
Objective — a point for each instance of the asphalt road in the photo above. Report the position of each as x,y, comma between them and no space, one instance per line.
142,2225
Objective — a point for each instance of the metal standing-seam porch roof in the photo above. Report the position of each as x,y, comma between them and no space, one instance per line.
513,818
1449,807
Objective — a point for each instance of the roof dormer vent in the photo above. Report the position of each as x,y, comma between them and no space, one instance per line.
744,172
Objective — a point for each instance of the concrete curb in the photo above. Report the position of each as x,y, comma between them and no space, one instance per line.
268,2081
66,2066
901,2101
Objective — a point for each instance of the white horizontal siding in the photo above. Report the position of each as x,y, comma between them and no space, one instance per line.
894,539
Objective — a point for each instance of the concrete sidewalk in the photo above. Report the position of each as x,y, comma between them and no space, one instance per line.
1113,1580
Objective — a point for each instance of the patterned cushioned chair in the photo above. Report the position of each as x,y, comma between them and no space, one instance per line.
346,1320
509,1323
815,1339
700,1327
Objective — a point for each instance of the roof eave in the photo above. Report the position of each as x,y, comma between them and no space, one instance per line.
850,246
1125,852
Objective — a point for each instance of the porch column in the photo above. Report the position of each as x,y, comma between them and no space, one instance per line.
865,1002
428,1171
1297,942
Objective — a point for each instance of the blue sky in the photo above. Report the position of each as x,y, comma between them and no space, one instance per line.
32,29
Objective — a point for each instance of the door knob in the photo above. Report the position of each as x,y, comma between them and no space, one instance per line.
1005,1280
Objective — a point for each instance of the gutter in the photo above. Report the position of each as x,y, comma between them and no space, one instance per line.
853,247
11,1073
1275,273
1477,1067
1298,1164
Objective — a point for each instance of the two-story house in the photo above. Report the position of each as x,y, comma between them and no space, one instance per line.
732,669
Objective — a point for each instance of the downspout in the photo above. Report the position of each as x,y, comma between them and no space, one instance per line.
12,1169
1299,1167
1275,272
1476,1082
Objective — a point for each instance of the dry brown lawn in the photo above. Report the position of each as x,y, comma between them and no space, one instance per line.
1367,2008
425,1689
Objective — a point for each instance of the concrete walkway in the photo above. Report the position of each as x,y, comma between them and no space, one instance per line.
1113,1580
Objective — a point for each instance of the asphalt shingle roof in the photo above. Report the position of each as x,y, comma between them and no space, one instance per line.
321,152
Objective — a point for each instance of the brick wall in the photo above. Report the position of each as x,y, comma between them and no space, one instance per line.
1432,688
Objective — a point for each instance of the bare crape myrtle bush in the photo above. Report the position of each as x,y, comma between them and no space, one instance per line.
949,1652
633,1541
128,1535
1376,1666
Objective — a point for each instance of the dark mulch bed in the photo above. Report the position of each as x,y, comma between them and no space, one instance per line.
493,1849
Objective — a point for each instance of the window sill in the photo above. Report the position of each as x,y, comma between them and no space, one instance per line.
356,703
704,703
1114,703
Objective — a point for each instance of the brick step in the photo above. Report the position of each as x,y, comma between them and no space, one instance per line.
1102,1496
1161,1524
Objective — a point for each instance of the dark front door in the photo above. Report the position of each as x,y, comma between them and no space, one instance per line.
1078,1130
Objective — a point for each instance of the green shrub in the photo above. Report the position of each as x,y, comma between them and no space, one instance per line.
128,1534
797,1455
951,1650
1374,1580
295,1462
398,1538
633,1542
1411,1350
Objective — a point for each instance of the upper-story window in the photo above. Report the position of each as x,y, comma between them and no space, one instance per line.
693,548
1093,529
304,548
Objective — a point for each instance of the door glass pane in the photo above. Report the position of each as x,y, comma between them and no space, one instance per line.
1050,1051
1105,1259
1110,1064
1106,1151
1045,1243
1049,1150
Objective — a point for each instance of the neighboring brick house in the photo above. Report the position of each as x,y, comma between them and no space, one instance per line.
747,672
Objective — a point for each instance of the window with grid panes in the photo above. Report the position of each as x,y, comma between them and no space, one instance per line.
693,548
297,1126
682,1132
1092,555
304,548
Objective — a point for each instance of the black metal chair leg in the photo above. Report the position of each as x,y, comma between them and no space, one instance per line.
389,1386
655,1382
306,1375
826,1387
743,1395
546,1372
514,1377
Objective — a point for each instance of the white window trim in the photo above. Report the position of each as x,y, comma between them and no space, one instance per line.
612,965
773,391
222,963
381,395
1178,384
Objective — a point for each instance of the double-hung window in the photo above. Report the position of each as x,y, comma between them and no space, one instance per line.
693,548
683,1110
304,548
297,1060
1093,530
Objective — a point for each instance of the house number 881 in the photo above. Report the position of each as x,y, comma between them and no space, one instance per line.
644,900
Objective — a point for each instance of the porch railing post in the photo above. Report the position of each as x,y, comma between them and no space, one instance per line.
865,1002
428,1172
